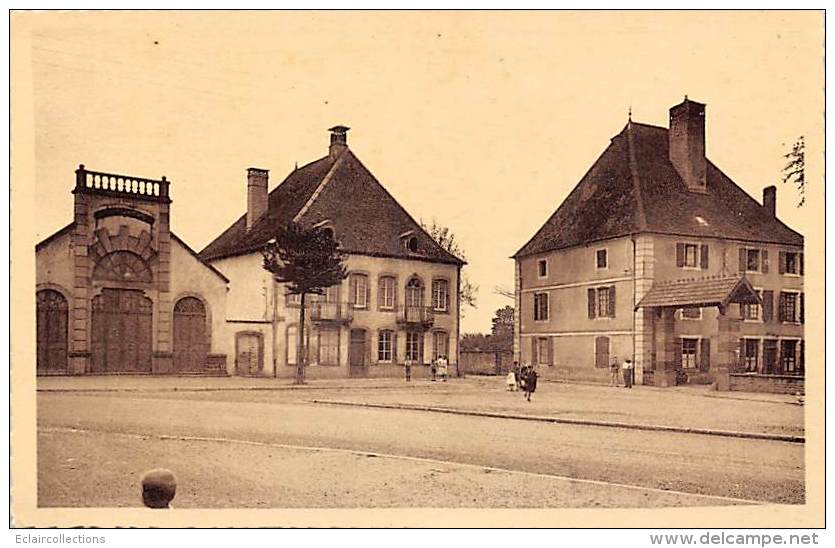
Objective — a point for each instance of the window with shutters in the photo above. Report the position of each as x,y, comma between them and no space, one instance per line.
385,346
543,351
753,312
294,299
328,347
540,307
753,260
386,292
602,258
791,263
751,354
692,255
689,351
601,302
358,287
440,295
789,307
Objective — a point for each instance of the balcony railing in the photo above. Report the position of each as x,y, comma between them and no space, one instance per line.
124,185
422,315
330,312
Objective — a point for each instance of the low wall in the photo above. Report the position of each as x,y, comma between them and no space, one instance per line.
485,362
773,384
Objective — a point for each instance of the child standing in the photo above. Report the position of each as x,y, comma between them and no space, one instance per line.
511,381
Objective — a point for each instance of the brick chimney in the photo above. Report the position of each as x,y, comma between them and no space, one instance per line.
339,140
770,200
256,194
687,143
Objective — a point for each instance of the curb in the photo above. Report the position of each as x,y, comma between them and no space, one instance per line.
223,388
576,422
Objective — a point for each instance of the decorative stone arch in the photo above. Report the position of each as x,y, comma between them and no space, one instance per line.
107,243
123,267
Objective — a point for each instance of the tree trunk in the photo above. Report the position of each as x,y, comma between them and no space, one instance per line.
300,349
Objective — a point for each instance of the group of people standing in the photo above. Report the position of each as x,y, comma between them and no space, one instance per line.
439,369
523,378
626,369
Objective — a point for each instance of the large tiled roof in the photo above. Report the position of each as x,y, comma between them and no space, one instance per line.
705,291
365,218
633,188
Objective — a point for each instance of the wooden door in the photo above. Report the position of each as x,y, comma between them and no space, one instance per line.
52,317
770,366
601,352
190,340
248,354
122,332
356,353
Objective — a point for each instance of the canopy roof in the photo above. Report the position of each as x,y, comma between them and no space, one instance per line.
706,291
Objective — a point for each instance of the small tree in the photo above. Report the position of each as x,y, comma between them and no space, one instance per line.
444,237
795,169
309,260
502,329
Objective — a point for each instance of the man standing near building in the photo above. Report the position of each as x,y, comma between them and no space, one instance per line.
614,368
628,369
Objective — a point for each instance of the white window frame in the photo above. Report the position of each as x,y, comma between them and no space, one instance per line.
441,306
539,273
695,354
409,356
547,307
780,341
796,273
604,314
759,356
759,318
604,250
435,335
356,293
380,349
696,256
387,294
322,333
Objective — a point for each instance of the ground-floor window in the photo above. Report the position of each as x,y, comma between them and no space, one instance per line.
788,356
413,346
751,352
543,351
293,344
689,348
328,347
440,344
385,346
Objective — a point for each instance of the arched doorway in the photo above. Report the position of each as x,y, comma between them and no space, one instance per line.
52,318
191,344
122,332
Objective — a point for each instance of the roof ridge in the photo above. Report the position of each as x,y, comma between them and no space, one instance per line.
325,180
636,181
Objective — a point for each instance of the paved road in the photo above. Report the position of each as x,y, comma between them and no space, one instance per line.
750,469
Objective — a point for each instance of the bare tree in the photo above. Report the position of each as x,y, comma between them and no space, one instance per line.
468,292
309,260
795,169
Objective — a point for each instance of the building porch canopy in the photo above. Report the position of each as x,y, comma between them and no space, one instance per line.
700,292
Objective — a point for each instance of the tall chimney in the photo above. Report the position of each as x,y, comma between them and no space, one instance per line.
256,194
770,200
339,140
687,143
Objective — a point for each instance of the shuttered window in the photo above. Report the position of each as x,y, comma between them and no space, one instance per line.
540,307
601,302
689,255
358,287
543,350
440,295
328,347
768,305
689,348
788,307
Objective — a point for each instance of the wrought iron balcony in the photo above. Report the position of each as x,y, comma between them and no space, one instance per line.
330,312
416,315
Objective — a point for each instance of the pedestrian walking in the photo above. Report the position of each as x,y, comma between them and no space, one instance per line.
433,369
408,369
512,386
614,368
443,368
530,383
158,488
522,377
628,370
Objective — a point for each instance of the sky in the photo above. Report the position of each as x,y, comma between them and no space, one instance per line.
483,121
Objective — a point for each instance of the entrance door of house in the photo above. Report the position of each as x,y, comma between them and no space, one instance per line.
52,320
122,332
770,366
248,354
601,352
356,353
190,341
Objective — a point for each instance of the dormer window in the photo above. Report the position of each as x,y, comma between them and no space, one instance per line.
412,244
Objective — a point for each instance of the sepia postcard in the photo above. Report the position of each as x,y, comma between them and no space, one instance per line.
417,269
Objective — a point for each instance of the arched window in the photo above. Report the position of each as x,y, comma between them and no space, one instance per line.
414,292
122,266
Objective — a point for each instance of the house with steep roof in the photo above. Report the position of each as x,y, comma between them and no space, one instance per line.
656,254
399,303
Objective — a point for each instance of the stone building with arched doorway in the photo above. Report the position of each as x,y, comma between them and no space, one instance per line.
117,292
